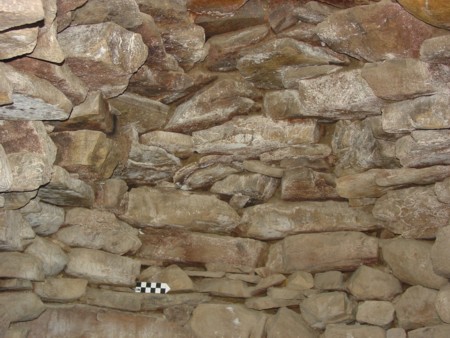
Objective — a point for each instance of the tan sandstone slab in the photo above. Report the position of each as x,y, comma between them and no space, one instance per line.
20,12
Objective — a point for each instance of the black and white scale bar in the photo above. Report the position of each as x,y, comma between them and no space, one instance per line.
148,287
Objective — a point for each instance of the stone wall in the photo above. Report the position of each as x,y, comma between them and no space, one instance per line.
284,166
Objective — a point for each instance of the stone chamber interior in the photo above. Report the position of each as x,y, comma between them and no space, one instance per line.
283,166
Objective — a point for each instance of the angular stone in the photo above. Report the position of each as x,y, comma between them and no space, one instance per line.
21,306
179,314
412,212
123,13
327,308
267,302
399,79
302,31
66,191
442,303
267,282
287,322
248,278
100,267
442,191
73,320
314,12
285,293
89,153
33,89
175,277
125,301
436,50
281,219
258,187
440,252
15,284
330,280
225,49
100,230
17,42
21,265
231,320
342,250
109,194
17,200
5,89
370,283
415,308
14,231
150,207
178,144
207,274
145,114
190,247
435,12
46,220
30,153
292,77
52,256
396,332
299,156
424,148
214,105
103,55
20,12
355,331
60,289
216,6
254,134
284,16
435,331
223,287
153,302
300,280
410,261
263,169
376,32
264,64
94,113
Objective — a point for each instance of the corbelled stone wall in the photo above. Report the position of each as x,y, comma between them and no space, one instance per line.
284,166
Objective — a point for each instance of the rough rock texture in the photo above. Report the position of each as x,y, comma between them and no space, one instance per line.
287,323
435,12
440,253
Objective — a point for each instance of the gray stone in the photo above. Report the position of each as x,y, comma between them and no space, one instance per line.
17,42
96,229
330,280
262,168
415,308
46,220
178,144
440,252
442,303
21,265
60,289
100,267
355,331
14,231
17,200
370,283
379,313
435,50
410,261
281,219
342,250
20,12
52,256
21,306
328,308
435,331
126,301
288,324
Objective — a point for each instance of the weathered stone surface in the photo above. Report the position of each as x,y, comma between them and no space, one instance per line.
435,331
21,265
96,229
232,320
226,49
101,267
14,231
5,89
89,153
254,135
442,303
440,252
434,12
94,113
415,308
21,306
76,320
267,282
214,105
216,6
174,276
190,247
125,301
412,212
396,332
30,153
103,55
424,148
60,289
109,194
436,50
379,313
161,208
46,220
370,283
327,308
17,200
354,97
281,219
143,113
264,64
342,250
376,32
52,256
123,13
399,79
249,278
307,184
300,280
267,302
410,261
355,331
155,302
285,293
15,284
32,89
178,144
330,280
66,191
263,169
287,323
223,287
19,12
17,42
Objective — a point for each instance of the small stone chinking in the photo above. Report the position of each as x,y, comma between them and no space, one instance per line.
190,168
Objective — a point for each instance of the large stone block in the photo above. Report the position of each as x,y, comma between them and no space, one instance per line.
20,306
434,12
14,230
440,252
20,12
21,265
53,258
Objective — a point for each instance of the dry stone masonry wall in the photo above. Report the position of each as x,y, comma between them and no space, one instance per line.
284,166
